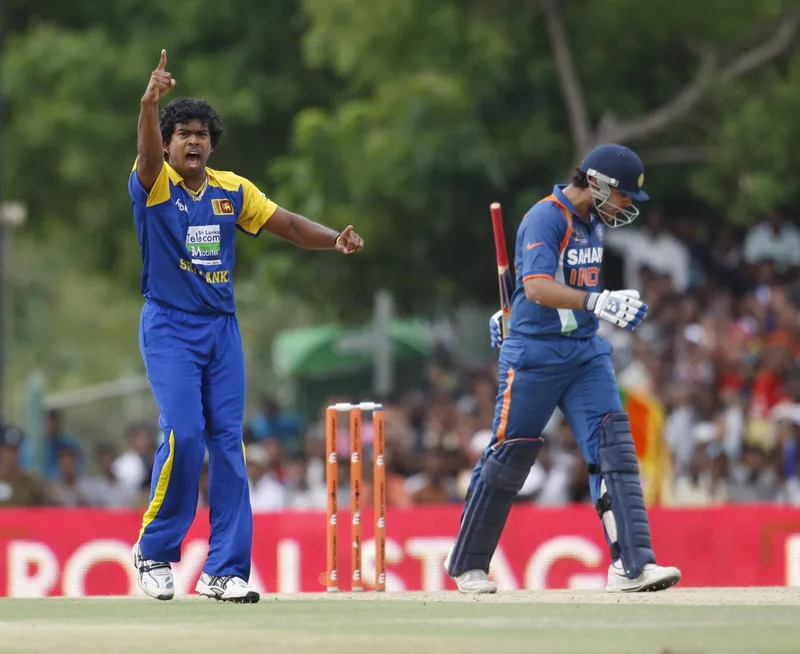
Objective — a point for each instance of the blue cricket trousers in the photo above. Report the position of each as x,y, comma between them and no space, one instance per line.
539,374
195,364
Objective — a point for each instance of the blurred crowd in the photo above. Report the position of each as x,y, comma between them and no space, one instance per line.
718,351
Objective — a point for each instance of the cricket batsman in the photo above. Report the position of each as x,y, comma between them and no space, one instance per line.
186,216
553,357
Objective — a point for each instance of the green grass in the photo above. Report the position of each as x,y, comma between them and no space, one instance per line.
386,626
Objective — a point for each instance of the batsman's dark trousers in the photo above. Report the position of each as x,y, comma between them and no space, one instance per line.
195,364
538,375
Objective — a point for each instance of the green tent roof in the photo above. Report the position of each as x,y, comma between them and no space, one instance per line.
325,349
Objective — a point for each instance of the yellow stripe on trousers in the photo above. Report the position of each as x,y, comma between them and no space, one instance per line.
161,487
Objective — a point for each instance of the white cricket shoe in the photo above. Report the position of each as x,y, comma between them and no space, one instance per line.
472,582
227,589
654,577
155,577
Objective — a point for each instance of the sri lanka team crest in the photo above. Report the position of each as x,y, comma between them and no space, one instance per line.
222,207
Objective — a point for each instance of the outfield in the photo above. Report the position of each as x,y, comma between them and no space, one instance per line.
679,621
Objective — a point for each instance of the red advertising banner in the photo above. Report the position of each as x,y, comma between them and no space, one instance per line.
48,552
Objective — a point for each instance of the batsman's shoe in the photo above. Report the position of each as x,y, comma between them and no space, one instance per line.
155,577
653,578
227,589
475,582
472,582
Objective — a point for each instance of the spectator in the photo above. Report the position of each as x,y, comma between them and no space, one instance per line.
18,487
134,467
436,484
551,479
272,421
753,479
267,491
479,402
776,240
67,488
440,377
700,485
443,424
477,446
724,259
768,390
639,375
105,489
730,422
414,406
652,246
305,491
579,492
56,439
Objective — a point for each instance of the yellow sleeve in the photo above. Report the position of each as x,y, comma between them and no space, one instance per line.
161,188
257,208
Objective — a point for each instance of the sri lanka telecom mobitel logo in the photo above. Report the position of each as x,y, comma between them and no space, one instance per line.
203,244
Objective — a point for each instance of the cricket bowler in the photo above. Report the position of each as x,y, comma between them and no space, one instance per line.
553,357
186,216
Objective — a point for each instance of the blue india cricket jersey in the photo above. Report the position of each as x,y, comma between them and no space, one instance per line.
187,238
553,241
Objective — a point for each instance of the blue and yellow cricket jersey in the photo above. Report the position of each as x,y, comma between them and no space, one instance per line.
553,241
187,238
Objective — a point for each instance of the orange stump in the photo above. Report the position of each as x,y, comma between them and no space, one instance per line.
379,483
332,479
355,496
356,484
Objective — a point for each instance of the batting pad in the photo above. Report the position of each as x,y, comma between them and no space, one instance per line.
502,475
621,504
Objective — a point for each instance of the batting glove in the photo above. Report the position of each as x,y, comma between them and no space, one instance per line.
496,329
620,308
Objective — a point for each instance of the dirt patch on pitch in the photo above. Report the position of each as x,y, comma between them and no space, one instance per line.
672,597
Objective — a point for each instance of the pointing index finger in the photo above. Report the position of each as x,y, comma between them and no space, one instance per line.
162,65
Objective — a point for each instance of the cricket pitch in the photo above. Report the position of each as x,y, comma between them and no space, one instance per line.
678,621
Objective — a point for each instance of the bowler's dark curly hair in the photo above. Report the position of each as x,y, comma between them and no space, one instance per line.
182,110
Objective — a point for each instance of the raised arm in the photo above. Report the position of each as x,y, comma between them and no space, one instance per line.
310,235
149,147
260,213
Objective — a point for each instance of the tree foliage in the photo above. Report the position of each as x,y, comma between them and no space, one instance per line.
405,118
454,105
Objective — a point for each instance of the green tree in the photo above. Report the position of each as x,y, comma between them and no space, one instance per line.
752,165
72,89
402,117
454,105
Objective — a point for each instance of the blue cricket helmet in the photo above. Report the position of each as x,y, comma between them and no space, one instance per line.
611,166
